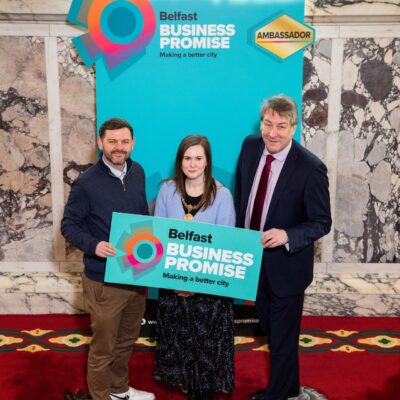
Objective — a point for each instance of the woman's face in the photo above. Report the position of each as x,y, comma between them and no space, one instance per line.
194,162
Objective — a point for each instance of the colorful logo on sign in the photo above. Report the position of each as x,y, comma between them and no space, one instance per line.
118,30
142,249
283,36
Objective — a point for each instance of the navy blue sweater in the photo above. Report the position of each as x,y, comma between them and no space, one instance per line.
94,196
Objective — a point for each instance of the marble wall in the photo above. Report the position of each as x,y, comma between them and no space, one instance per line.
368,155
78,119
351,119
334,8
25,190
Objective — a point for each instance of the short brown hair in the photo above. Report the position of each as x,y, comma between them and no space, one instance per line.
281,104
113,124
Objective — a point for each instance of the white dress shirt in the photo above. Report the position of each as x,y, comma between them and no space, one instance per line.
276,168
116,172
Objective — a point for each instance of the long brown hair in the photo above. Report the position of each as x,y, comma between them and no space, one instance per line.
210,188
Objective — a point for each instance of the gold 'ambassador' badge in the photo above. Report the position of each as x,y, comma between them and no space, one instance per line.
284,36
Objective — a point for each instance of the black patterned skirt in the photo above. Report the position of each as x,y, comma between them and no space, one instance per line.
195,342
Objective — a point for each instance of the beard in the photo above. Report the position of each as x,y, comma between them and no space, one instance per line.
115,158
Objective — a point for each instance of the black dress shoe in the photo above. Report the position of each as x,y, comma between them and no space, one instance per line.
192,395
68,395
78,395
207,395
258,395
200,395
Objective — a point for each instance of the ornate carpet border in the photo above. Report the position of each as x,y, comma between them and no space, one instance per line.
311,341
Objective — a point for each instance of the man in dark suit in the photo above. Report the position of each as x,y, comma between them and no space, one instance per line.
282,190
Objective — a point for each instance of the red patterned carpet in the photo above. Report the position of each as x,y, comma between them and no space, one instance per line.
343,358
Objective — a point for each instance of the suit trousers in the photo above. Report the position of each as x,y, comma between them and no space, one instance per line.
116,313
280,319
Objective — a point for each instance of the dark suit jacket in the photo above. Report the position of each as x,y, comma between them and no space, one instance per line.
300,205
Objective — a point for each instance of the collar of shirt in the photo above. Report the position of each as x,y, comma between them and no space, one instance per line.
281,155
116,172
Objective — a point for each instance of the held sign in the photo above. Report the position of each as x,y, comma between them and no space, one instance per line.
181,255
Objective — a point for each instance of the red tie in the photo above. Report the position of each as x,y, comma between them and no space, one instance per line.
260,196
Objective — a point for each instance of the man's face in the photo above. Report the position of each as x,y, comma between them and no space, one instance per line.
276,131
117,145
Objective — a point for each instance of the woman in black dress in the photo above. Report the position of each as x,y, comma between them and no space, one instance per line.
195,341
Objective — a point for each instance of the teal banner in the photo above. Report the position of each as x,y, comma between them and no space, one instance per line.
179,67
182,255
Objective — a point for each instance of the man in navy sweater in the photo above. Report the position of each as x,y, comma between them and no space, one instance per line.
115,183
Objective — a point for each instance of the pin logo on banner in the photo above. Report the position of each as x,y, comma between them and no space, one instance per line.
142,249
118,31
283,36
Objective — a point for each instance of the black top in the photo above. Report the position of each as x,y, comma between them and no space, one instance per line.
193,201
